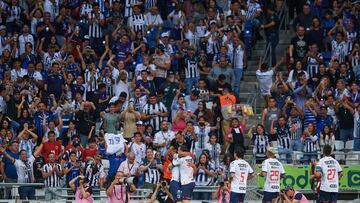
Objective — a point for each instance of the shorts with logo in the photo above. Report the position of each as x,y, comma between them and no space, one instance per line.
269,196
174,186
328,196
187,191
237,197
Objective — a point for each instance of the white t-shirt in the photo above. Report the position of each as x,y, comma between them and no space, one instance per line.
274,169
329,169
203,136
25,170
163,137
241,169
139,151
128,168
175,171
265,81
115,143
23,40
15,74
186,172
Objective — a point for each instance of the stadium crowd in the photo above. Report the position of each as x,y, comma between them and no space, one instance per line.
153,86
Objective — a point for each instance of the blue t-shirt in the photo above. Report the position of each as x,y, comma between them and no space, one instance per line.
72,174
115,162
10,169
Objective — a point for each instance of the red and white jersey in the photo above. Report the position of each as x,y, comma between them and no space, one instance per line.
274,169
241,169
329,169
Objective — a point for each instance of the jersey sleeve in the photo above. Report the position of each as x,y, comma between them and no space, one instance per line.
250,170
232,167
264,167
338,167
282,170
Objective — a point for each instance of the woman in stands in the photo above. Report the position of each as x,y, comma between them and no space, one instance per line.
310,139
203,177
327,137
261,141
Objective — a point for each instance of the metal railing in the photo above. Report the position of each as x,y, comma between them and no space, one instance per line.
284,19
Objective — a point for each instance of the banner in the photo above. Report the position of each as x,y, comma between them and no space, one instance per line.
299,177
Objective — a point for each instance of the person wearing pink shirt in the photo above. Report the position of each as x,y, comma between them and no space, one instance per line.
83,193
118,191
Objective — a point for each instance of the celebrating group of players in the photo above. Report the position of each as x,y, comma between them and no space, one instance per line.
328,173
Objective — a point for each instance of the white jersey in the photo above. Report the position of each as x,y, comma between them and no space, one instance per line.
329,169
241,169
163,137
175,171
265,81
186,171
139,151
274,169
115,143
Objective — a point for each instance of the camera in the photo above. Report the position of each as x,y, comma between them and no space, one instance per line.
128,181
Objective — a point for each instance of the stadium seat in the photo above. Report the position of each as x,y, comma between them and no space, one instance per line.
353,158
349,146
297,157
339,145
105,163
340,156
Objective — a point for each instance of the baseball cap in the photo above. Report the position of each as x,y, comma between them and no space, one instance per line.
87,37
271,150
212,22
161,47
139,123
165,34
170,73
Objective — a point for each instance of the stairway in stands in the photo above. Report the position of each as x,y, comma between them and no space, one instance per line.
249,84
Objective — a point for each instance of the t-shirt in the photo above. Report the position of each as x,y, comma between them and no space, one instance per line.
186,171
10,169
265,81
241,169
329,169
274,169
115,143
300,47
25,170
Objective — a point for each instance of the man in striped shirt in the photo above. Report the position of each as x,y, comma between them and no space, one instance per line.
152,168
282,132
191,70
96,21
154,113
51,172
94,171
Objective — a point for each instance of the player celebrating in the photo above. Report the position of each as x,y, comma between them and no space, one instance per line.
240,172
273,171
330,172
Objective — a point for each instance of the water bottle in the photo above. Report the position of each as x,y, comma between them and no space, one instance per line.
178,195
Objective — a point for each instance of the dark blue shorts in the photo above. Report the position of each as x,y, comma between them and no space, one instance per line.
237,197
174,186
269,196
330,197
187,191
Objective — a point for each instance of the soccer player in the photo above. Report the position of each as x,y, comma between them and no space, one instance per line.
240,172
330,172
186,169
273,171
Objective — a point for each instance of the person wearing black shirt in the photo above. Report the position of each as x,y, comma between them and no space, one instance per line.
270,27
346,120
299,45
85,119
